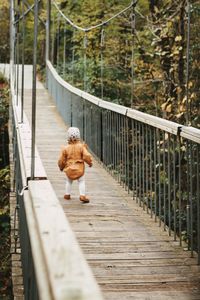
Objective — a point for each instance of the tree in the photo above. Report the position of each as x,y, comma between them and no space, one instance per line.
116,59
4,25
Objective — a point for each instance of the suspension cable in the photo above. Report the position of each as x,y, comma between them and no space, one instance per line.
58,41
33,127
73,55
25,13
188,106
86,29
132,53
85,61
53,37
102,66
17,55
64,50
23,49
29,8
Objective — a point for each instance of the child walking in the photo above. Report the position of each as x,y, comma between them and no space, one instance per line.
71,161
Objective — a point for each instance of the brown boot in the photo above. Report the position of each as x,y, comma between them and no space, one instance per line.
84,199
67,197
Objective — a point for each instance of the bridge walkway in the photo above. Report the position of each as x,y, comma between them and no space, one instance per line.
130,256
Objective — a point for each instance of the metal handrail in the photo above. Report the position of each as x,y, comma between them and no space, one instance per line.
191,133
154,159
154,121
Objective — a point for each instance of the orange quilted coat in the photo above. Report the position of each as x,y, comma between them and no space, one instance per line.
74,154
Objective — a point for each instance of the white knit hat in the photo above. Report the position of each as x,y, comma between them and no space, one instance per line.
73,133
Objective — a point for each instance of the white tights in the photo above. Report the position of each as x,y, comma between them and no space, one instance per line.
81,185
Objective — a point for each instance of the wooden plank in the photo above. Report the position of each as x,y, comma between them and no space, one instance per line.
117,237
113,107
155,296
132,263
154,121
191,133
40,267
67,271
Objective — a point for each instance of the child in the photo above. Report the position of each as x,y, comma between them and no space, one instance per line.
72,160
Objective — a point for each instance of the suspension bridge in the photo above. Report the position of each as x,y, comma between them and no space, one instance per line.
139,237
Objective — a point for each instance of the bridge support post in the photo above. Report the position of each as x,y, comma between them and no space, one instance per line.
48,27
34,91
48,24
12,41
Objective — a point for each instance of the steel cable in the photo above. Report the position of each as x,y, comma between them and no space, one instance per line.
86,29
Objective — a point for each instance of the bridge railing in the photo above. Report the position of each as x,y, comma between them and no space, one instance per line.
53,265
154,159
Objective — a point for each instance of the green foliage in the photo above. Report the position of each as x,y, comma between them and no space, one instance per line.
5,186
4,25
154,52
5,261
4,115
142,66
2,79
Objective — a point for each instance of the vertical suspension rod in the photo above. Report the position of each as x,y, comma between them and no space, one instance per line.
73,55
85,61
17,53
33,128
132,51
188,107
48,27
12,43
48,37
102,70
64,51
23,42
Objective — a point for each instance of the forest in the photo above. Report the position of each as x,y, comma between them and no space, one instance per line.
144,55
145,58
5,265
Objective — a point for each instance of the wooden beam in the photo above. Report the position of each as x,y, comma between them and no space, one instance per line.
68,272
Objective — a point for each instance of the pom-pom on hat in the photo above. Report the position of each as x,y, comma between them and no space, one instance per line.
73,133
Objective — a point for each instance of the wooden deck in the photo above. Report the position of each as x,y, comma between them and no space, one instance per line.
131,257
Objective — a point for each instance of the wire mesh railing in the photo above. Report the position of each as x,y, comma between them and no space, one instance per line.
154,159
